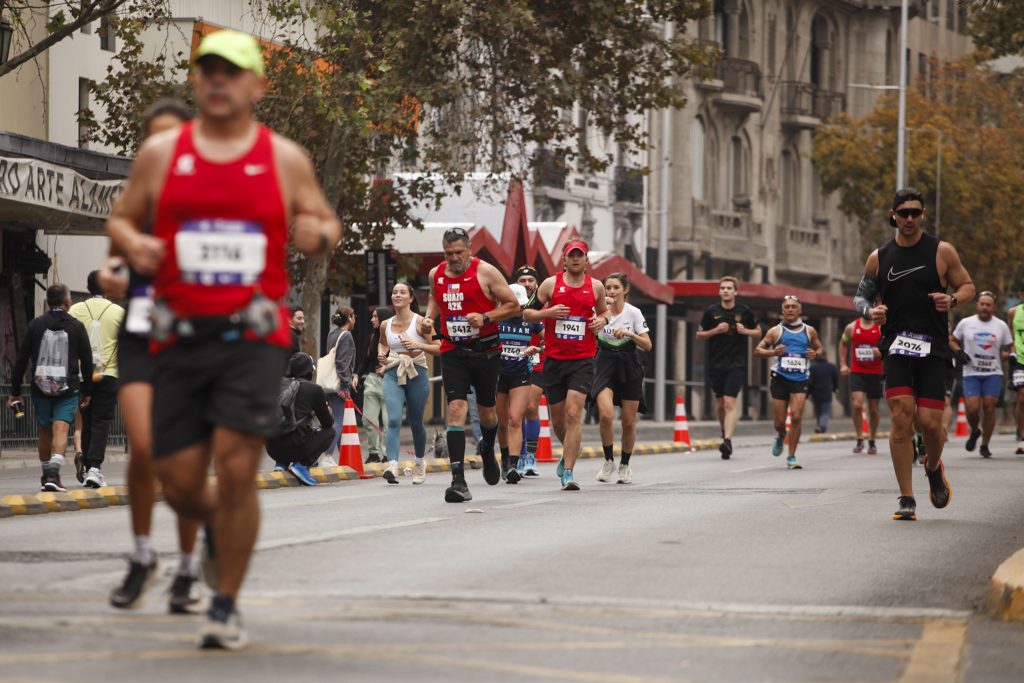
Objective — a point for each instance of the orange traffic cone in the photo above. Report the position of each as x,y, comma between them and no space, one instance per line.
864,428
544,439
961,419
789,425
350,454
682,430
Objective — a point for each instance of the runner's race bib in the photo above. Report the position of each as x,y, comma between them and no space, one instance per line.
985,364
1018,379
865,354
793,363
459,329
221,251
912,345
512,351
572,328
139,319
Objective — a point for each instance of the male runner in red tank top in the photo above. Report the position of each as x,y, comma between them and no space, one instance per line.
576,311
468,297
865,373
220,194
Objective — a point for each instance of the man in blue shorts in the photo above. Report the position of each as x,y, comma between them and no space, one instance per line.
982,342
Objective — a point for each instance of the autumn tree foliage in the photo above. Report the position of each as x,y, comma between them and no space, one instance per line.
997,25
439,88
974,114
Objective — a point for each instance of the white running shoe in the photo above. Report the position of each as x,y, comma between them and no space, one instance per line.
625,474
94,478
607,471
327,461
419,472
215,634
390,473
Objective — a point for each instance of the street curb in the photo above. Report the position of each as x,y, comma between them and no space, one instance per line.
91,499
1005,596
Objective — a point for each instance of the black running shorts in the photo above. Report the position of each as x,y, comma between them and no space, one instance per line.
727,381
871,385
507,383
562,375
461,370
134,364
922,378
1015,375
782,388
216,383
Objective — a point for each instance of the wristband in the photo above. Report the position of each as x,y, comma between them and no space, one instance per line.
952,300
487,319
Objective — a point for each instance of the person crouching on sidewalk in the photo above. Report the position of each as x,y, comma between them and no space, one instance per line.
298,444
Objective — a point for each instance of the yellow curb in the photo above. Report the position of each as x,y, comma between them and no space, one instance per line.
58,502
115,495
475,462
325,475
88,499
24,505
1005,596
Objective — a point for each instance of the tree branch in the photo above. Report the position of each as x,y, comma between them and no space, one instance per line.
97,11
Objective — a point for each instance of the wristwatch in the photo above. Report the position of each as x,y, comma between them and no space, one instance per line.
487,319
952,300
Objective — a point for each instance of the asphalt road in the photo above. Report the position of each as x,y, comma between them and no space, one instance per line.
702,570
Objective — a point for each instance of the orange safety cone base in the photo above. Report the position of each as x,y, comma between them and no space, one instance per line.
961,419
544,453
682,427
350,453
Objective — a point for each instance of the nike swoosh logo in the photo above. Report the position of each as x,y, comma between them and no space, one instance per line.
257,169
894,276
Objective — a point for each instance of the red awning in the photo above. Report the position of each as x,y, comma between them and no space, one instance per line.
765,296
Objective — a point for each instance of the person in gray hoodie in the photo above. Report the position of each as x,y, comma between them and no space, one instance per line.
298,442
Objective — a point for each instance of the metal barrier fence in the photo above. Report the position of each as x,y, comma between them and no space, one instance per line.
23,432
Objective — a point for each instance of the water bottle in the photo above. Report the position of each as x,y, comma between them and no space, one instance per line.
19,409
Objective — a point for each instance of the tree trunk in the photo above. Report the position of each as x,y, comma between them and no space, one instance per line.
314,278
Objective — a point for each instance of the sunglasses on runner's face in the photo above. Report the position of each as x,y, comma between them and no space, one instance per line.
908,213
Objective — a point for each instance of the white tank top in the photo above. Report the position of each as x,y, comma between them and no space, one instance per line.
395,340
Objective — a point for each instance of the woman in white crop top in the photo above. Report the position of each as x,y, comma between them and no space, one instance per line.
403,351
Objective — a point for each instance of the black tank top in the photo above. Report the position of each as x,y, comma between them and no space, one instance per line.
906,276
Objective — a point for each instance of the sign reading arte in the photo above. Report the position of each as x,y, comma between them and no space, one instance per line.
54,187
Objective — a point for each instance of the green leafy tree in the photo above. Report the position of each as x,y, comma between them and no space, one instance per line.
973,113
62,19
443,87
997,25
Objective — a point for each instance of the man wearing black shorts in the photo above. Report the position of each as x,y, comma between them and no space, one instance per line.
223,194
911,276
859,344
727,326
468,297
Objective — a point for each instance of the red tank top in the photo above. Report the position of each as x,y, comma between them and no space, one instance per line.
865,339
569,339
457,296
226,232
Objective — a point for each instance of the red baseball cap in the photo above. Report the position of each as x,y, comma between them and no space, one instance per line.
576,244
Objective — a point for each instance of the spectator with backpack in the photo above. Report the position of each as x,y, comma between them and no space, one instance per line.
297,443
334,373
57,346
102,320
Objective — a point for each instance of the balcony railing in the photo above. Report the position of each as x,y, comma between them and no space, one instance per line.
802,248
806,99
629,185
739,76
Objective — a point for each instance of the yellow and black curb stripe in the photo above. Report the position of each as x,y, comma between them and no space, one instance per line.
91,499
1005,596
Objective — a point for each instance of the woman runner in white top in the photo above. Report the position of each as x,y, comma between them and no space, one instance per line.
406,383
619,376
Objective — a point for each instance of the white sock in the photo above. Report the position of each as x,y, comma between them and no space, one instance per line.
187,564
56,460
143,550
421,461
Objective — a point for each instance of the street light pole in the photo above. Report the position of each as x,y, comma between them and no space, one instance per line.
661,312
901,138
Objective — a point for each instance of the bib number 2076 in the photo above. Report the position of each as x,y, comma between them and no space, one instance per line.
912,345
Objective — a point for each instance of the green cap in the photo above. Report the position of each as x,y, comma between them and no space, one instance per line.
240,49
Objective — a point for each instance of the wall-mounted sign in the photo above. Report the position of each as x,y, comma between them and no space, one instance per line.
55,187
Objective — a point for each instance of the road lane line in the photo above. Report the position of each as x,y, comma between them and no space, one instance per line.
343,533
935,658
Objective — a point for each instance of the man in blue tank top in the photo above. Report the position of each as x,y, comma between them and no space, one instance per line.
905,289
793,345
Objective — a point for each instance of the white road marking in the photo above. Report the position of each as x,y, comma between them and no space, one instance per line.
342,533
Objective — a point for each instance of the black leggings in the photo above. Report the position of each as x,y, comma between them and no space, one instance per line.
301,446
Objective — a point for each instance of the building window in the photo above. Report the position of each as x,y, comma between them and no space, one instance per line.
83,105
771,46
961,13
790,189
950,15
922,68
739,162
721,25
86,28
889,58
936,8
697,159
108,37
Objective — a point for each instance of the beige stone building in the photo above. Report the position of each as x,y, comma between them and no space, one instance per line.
745,196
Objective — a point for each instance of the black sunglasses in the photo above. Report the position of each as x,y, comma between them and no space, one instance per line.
455,232
791,297
909,213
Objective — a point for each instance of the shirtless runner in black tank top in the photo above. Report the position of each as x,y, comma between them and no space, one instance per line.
904,289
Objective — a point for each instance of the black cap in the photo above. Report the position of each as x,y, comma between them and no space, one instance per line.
907,194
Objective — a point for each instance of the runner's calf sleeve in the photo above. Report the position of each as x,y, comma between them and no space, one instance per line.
504,458
609,452
624,460
531,432
867,291
456,438
489,434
